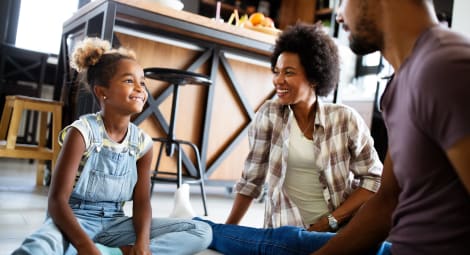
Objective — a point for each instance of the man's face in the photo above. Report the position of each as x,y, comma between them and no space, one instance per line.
359,18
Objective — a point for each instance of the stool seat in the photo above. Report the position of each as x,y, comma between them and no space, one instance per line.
177,78
9,127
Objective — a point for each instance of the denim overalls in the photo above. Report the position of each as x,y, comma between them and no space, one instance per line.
107,180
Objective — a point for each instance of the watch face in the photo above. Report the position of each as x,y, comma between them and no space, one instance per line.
332,222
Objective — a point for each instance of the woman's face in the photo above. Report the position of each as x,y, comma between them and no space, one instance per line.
290,80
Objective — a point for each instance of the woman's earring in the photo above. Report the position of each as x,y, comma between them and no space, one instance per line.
104,98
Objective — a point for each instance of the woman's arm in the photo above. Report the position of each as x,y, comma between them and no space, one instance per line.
344,212
142,210
63,179
239,209
372,223
256,165
365,165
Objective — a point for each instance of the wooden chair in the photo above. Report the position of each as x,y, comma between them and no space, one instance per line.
13,110
22,72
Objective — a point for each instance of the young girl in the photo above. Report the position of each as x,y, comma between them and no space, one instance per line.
105,161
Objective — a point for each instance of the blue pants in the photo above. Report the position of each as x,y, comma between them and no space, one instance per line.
107,225
287,240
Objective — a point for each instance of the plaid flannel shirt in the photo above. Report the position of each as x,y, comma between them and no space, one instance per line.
345,153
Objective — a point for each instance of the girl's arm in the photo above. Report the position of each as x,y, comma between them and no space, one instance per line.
142,210
63,179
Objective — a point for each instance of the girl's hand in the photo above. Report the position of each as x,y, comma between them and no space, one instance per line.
89,250
140,250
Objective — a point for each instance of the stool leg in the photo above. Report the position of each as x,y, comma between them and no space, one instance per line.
201,179
200,173
14,124
6,116
203,194
40,170
42,130
157,165
56,127
179,171
41,167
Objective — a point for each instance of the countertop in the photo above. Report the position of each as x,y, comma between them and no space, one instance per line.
184,23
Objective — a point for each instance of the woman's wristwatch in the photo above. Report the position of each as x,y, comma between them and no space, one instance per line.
332,222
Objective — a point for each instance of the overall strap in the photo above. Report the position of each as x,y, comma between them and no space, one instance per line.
133,139
95,123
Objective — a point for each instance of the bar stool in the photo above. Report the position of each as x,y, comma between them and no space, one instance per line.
177,78
14,107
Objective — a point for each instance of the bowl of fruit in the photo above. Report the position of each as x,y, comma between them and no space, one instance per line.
256,21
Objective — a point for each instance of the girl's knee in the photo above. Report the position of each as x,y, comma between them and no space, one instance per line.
204,231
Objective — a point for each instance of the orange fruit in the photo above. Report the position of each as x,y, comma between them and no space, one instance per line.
267,22
256,18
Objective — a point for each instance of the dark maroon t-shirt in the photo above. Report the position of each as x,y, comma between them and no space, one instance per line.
427,110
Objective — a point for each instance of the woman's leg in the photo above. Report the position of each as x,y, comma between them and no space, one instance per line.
167,236
384,249
288,240
235,239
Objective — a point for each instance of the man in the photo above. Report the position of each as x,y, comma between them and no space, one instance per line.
423,204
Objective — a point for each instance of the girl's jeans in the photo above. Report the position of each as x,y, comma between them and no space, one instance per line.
288,240
106,224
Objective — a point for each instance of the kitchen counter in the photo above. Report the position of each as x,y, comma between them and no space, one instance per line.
185,23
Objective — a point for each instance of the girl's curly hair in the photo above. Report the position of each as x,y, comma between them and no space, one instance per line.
317,52
97,60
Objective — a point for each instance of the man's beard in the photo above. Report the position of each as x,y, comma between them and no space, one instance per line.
362,46
367,38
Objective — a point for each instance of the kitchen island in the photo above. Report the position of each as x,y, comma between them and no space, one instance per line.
215,118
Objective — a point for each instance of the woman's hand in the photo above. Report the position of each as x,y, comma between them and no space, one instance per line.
321,225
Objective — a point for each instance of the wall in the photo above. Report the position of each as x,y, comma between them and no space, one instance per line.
460,20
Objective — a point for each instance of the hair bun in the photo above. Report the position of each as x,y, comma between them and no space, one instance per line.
88,52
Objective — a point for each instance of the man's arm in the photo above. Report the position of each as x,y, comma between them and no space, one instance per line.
371,224
459,156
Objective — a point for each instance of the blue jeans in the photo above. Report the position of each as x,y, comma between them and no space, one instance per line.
287,240
106,224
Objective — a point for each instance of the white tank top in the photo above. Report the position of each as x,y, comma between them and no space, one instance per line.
302,178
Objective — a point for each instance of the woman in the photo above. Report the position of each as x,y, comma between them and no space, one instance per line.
317,159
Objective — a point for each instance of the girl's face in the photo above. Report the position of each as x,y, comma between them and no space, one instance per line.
126,92
290,81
